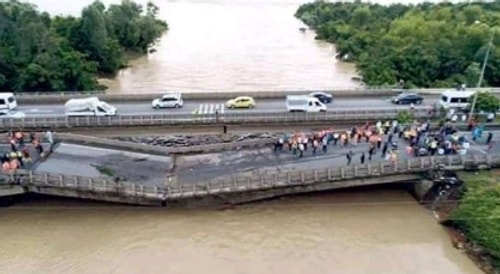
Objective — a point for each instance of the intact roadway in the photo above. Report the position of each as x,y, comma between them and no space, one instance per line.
209,107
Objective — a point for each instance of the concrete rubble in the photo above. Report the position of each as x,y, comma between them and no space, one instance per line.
196,140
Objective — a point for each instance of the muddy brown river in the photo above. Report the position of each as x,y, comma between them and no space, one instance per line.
218,45
228,45
374,231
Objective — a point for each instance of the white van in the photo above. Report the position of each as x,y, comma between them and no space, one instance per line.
455,99
7,101
304,103
91,106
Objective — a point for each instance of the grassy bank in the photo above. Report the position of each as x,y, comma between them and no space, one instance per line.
477,219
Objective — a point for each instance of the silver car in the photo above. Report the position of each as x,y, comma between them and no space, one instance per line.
168,101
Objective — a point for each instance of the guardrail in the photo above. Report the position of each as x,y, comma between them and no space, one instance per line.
203,119
62,97
241,183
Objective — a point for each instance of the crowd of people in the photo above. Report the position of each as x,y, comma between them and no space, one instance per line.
419,139
19,153
379,136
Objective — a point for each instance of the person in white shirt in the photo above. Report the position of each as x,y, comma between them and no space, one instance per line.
490,117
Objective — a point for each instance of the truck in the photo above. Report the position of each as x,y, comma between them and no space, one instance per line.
304,103
91,106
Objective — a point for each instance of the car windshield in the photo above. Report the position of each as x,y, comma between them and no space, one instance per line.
319,94
404,95
105,106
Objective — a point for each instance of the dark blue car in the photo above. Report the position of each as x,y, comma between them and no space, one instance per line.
324,98
407,98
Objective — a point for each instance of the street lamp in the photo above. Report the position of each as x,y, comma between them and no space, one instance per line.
481,75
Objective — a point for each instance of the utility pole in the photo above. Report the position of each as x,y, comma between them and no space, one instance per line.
481,76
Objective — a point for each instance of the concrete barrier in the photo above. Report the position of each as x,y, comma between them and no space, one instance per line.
264,118
62,97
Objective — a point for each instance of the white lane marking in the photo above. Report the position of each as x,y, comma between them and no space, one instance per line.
210,108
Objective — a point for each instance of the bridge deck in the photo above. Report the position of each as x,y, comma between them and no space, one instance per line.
10,190
152,170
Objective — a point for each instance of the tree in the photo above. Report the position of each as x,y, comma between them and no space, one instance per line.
40,53
486,101
405,117
426,45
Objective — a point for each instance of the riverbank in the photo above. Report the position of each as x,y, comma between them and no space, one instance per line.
470,215
109,83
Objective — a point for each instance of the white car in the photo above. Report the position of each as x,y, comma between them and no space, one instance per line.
168,101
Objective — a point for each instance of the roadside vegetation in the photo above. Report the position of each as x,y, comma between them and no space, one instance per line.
478,216
425,45
64,53
486,101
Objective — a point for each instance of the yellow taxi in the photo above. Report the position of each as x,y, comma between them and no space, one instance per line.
241,102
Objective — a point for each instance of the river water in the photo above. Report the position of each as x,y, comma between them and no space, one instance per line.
374,231
239,45
230,45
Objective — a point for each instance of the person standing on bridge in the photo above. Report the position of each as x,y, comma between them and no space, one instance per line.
349,157
325,143
315,146
301,149
362,159
371,151
384,149
50,139
489,138
335,138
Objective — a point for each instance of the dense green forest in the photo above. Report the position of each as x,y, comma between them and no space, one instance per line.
425,45
43,53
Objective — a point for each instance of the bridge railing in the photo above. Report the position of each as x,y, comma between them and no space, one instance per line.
244,183
191,119
87,184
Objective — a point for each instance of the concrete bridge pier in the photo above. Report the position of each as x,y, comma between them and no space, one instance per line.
421,189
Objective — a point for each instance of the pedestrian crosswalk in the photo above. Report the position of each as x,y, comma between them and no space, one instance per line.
210,109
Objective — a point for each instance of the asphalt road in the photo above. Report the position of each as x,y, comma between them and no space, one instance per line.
208,107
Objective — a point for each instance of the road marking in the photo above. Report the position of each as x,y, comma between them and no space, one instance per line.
210,108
